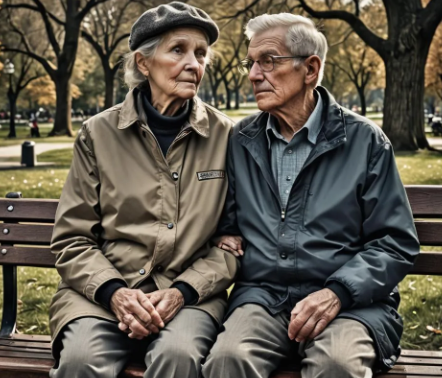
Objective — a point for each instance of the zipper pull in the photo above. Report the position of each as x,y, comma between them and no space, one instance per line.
283,215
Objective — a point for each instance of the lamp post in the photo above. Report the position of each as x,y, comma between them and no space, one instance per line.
9,70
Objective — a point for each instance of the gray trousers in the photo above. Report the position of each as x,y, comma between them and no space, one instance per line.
95,348
254,343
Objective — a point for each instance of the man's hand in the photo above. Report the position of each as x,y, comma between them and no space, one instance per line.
230,243
136,313
167,302
311,315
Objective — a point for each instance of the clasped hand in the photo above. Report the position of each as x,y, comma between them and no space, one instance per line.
141,314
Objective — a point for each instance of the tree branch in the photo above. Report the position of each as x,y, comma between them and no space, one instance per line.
118,41
87,8
431,17
49,29
95,45
29,81
38,58
376,43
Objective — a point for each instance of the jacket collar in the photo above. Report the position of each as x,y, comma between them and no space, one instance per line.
198,119
332,119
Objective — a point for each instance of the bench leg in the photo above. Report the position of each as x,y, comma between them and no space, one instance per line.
9,300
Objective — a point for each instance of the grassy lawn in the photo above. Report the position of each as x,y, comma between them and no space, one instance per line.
23,133
421,295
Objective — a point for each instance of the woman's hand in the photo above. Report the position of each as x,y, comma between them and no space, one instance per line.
167,302
137,315
230,243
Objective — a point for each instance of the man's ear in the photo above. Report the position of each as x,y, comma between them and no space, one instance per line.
142,64
314,65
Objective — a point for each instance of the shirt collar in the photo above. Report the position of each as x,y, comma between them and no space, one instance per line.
313,124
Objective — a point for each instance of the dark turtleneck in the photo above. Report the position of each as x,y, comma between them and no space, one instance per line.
165,128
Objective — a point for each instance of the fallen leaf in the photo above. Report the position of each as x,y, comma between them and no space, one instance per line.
434,330
414,326
31,328
423,337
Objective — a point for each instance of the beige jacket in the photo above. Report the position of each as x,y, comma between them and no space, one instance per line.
127,212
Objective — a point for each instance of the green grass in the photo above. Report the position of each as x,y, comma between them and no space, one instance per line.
24,133
421,295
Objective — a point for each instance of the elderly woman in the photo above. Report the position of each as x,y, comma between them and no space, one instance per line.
142,199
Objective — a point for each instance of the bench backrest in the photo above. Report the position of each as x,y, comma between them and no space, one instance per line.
27,228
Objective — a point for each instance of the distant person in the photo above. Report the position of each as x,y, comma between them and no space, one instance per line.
33,124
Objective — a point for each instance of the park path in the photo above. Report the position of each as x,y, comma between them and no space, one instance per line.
15,150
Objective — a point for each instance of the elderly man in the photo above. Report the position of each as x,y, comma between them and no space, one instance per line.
327,228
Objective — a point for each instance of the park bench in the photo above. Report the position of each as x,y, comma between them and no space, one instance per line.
25,236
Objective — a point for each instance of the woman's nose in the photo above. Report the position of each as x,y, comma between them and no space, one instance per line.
192,63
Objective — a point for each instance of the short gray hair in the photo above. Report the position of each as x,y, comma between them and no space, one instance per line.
303,38
132,75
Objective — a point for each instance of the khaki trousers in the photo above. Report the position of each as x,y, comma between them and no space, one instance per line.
95,348
254,343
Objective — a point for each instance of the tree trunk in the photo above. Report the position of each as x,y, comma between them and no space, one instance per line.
109,77
62,121
404,99
237,98
215,95
362,100
228,98
13,111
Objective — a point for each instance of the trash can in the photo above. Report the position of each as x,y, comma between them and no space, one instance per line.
28,157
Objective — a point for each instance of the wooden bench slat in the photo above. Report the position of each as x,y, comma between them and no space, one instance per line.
23,337
27,256
421,353
428,263
30,210
25,233
429,233
417,370
419,361
45,347
25,354
425,201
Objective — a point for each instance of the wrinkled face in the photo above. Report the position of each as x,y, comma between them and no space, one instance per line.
176,69
274,89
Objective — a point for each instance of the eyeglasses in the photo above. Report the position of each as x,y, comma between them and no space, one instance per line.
266,63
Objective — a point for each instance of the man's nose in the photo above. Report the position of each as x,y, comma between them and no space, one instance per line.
256,73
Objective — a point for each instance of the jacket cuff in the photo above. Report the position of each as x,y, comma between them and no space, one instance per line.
104,294
99,279
198,282
342,293
190,295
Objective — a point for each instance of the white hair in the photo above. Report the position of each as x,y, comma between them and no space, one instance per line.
303,38
132,75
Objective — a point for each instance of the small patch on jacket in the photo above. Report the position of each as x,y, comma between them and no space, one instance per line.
210,175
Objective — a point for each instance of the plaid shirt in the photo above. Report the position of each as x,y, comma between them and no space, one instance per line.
288,158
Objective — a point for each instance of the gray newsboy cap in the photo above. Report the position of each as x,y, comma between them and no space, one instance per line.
158,20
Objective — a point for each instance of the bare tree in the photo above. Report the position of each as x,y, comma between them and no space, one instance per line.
63,26
104,29
25,73
411,28
359,64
